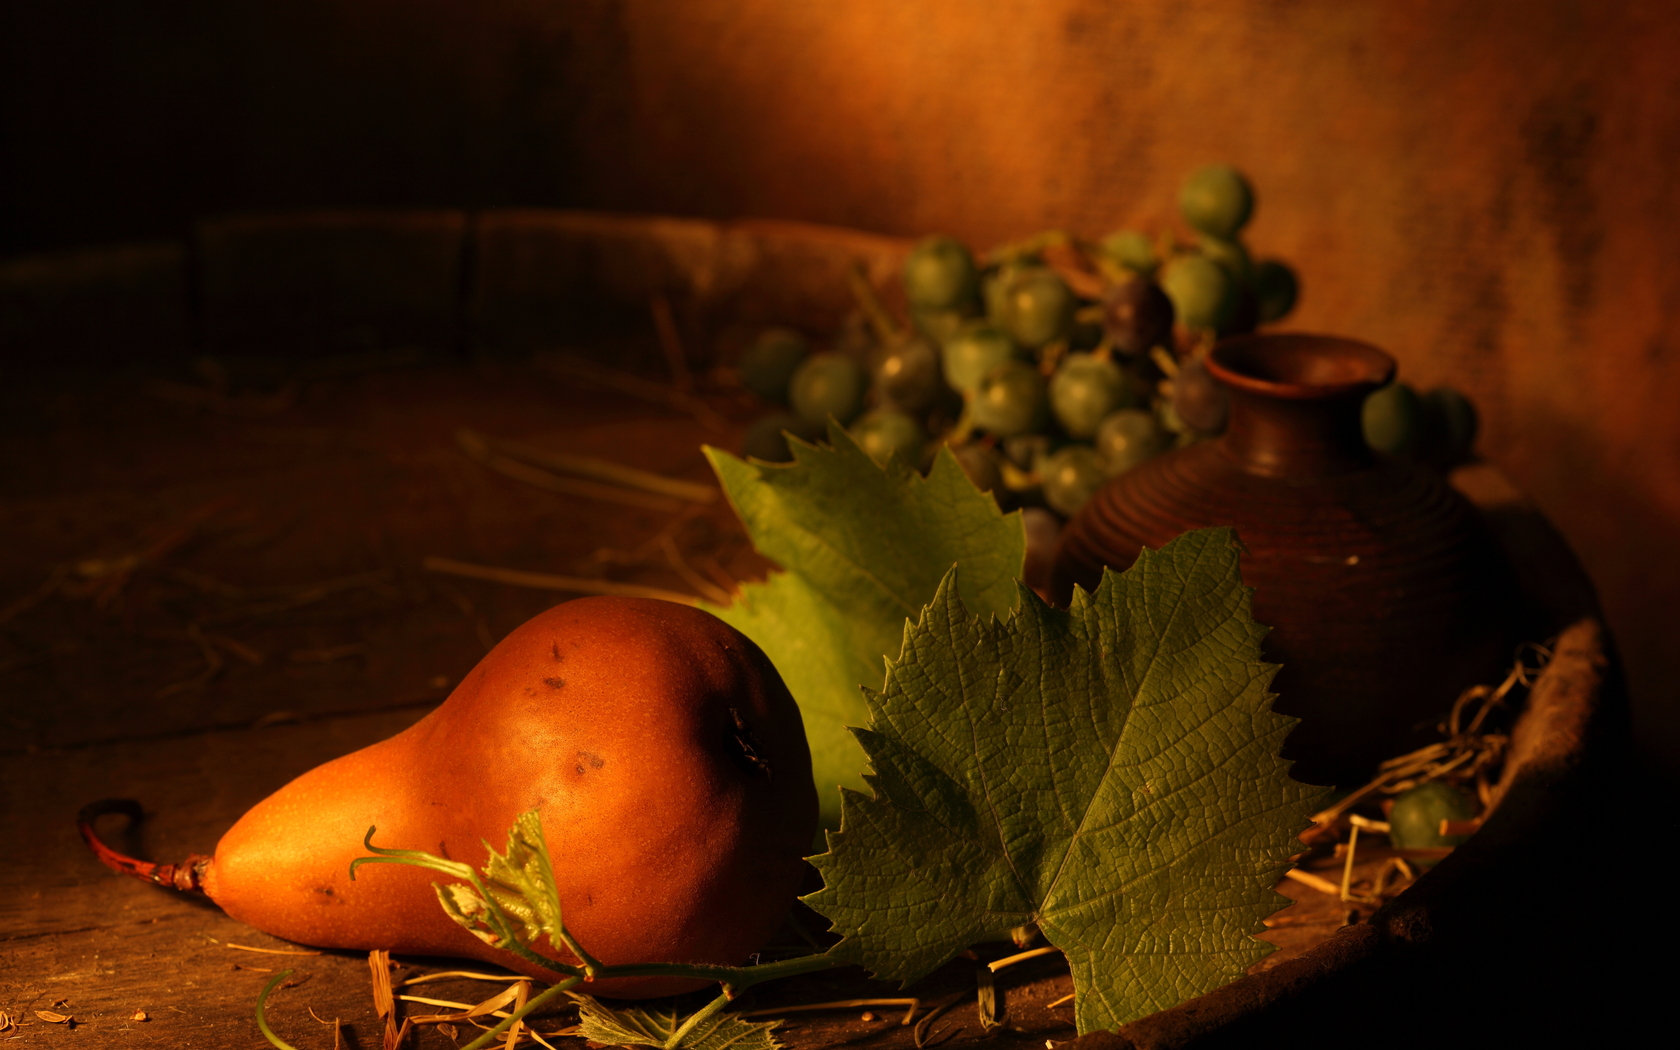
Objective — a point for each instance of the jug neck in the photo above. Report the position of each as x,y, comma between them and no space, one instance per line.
1296,403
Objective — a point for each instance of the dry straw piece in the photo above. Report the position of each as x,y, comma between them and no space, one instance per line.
548,582
481,451
269,951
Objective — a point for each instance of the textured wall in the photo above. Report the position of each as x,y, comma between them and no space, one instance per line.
1482,186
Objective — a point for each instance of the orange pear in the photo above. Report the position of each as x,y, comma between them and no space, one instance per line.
666,758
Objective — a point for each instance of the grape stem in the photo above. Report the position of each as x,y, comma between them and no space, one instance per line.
503,932
886,329
262,1006
723,1000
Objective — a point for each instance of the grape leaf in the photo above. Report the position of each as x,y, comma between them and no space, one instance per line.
519,881
1110,773
863,548
634,1026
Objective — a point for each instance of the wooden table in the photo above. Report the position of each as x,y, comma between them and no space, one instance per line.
280,618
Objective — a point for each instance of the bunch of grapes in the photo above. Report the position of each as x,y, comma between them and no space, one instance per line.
1048,365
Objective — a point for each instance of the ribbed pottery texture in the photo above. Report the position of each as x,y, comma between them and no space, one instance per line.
1385,593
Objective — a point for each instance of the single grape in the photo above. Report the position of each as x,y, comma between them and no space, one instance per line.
1231,254
939,274
884,431
1275,289
770,361
1037,307
1070,476
1216,200
1202,293
1010,400
980,463
907,374
1084,390
828,384
767,439
1137,316
1197,399
937,325
1415,820
1129,438
1132,250
1450,420
974,351
1393,420
994,290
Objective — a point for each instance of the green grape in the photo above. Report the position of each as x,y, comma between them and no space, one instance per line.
1010,400
974,351
767,438
937,325
1393,420
907,374
1037,307
1450,421
1231,254
1216,200
939,274
1415,820
828,384
1132,250
769,363
1202,293
883,431
1070,476
1084,390
995,288
1275,288
980,463
1128,438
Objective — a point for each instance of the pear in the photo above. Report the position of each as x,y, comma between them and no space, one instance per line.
663,751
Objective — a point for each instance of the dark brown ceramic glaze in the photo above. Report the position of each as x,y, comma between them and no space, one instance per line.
1384,591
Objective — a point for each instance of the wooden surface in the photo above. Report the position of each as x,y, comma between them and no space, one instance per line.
312,519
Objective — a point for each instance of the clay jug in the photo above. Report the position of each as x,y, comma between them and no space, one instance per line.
1384,590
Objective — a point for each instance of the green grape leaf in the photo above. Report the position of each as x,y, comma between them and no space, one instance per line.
862,548
512,905
1110,773
634,1026
522,879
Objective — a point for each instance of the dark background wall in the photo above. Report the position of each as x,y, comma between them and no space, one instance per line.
1485,188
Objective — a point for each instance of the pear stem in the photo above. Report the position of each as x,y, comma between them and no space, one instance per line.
185,876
